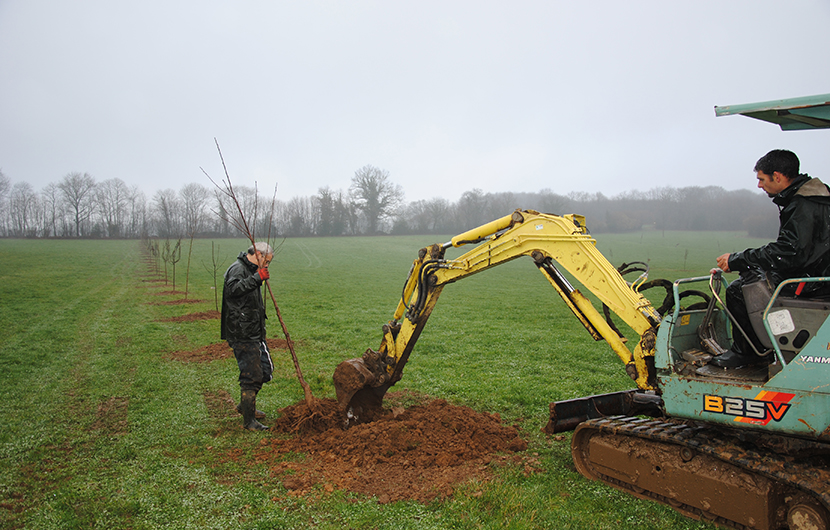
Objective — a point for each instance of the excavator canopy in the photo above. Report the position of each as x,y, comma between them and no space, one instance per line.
793,114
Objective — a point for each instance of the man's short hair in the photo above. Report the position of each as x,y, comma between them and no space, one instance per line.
262,246
780,160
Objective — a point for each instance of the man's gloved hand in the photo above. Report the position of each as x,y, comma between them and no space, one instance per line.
263,274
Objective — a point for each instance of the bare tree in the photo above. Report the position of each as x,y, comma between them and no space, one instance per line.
5,186
164,254
78,193
113,196
194,199
231,215
298,213
471,209
215,266
23,208
550,202
155,253
332,212
175,256
375,196
171,254
429,217
500,204
167,213
52,204
136,212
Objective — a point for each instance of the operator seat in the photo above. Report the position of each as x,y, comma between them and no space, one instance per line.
793,320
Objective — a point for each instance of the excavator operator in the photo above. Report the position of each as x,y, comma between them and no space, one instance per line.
802,248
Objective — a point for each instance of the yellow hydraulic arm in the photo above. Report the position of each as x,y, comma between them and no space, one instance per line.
545,238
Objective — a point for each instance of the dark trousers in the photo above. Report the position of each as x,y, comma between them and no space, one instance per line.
254,361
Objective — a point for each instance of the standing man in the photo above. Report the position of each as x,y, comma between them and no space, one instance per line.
243,326
801,250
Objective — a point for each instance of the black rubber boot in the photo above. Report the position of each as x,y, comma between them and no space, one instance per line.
734,359
248,406
258,414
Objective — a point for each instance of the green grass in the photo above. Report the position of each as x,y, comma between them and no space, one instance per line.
101,429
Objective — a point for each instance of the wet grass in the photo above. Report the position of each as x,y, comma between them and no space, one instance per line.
102,429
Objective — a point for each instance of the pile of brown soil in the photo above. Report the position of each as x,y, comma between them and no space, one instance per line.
217,351
421,453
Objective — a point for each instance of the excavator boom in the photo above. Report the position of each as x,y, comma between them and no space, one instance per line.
548,240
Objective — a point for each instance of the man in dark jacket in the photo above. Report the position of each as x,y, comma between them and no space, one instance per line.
243,326
801,250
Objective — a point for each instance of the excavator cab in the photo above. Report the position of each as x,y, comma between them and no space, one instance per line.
783,324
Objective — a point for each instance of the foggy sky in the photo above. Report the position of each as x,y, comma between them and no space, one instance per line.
446,96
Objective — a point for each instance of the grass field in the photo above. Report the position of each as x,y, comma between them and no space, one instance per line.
102,429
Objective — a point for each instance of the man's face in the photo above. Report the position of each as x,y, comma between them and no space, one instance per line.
772,184
263,259
260,259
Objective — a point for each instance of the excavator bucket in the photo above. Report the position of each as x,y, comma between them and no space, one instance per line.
350,376
359,389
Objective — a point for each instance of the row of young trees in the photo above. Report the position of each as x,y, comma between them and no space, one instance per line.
79,207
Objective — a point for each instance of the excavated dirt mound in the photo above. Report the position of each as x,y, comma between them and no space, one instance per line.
217,351
420,453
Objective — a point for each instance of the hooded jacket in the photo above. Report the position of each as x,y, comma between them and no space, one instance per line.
243,313
802,248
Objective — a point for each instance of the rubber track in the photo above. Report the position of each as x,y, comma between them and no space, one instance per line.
707,441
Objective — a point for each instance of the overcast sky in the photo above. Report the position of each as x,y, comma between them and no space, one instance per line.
447,96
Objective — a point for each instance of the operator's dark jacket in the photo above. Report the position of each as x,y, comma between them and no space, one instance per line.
803,244
243,313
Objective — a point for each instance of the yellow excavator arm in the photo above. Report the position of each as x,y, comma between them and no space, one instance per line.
548,240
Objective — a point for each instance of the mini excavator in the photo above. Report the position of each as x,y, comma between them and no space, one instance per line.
746,448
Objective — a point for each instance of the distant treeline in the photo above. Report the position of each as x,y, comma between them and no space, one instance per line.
80,207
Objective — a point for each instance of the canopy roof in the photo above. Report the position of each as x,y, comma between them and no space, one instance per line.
811,112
